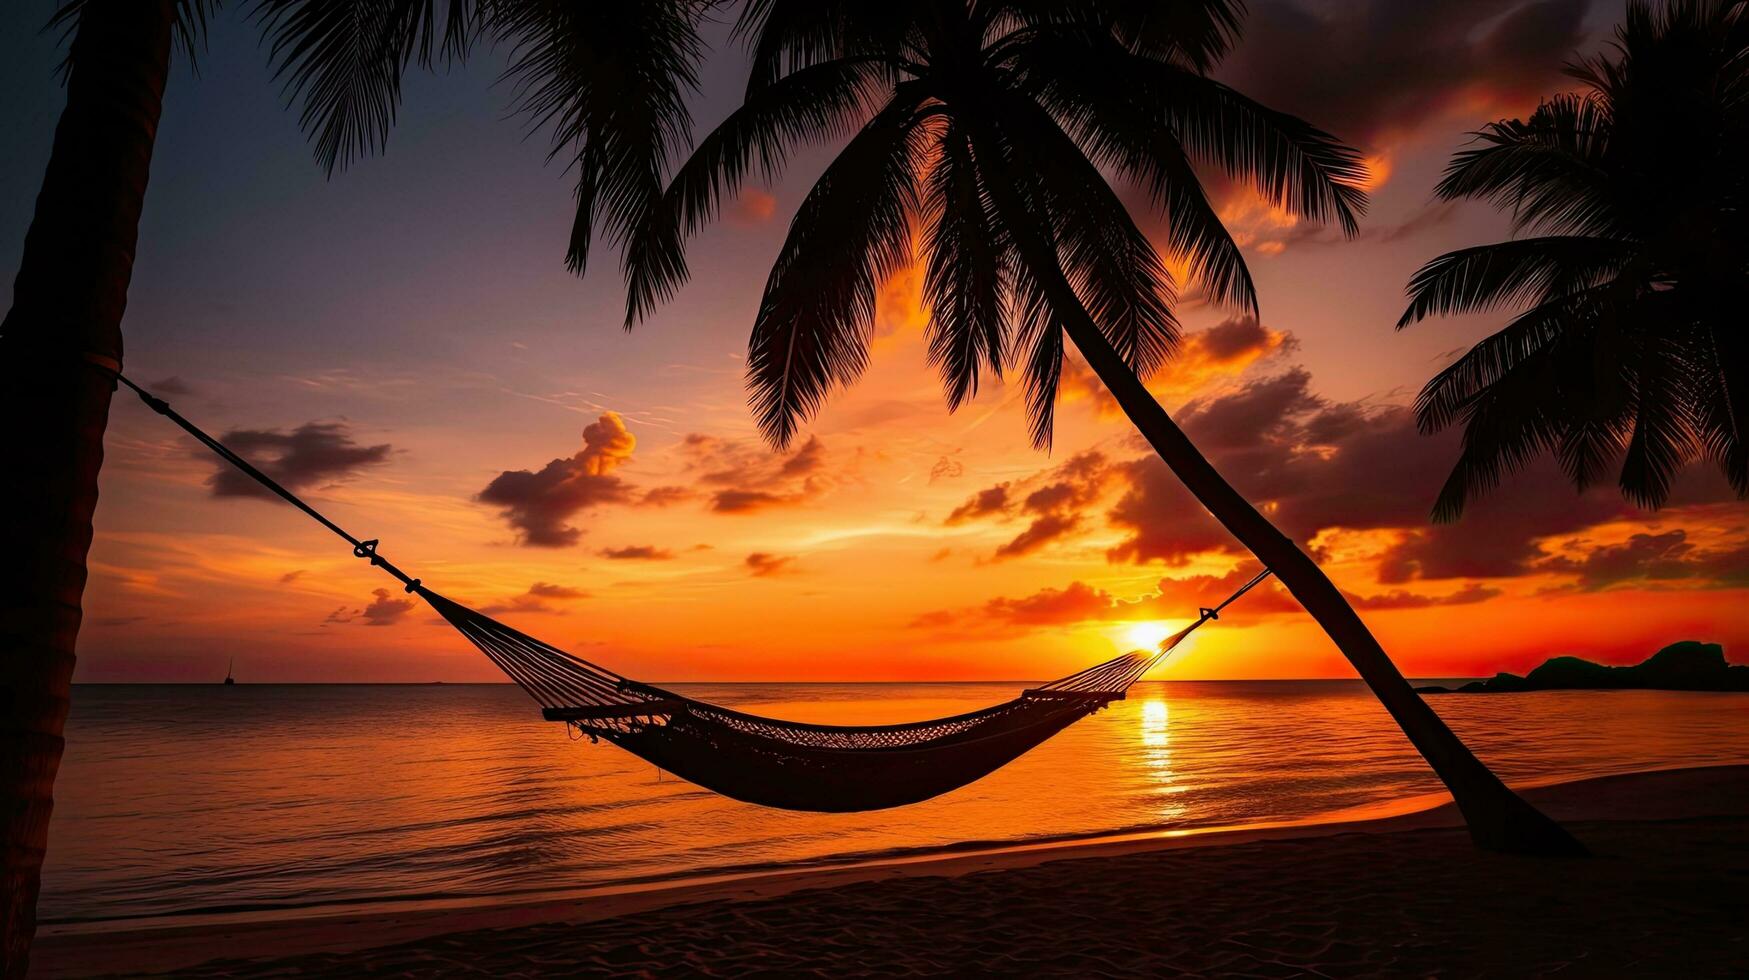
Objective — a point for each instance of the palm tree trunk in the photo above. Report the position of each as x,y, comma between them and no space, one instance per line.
1498,819
63,329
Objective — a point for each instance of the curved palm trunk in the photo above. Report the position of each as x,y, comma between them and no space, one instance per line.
67,303
1498,818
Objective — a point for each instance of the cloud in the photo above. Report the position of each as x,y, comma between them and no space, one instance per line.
1377,72
1399,599
1074,603
290,577
539,505
386,609
748,478
535,600
1203,357
1312,466
1648,559
993,500
1042,531
762,565
1050,501
637,552
313,454
1173,599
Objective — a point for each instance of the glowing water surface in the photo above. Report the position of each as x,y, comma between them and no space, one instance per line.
182,799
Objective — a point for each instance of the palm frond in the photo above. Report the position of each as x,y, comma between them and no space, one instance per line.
1526,270
1293,164
1072,76
1548,171
1116,273
817,103
968,273
344,61
1195,34
610,82
1038,339
1507,424
1663,438
786,36
1719,389
1448,396
852,232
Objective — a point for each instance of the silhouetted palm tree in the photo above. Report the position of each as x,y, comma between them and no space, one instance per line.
1633,346
608,80
987,123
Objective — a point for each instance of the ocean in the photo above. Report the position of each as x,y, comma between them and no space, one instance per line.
177,800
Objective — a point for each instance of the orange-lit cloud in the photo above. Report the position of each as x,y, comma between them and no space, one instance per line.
538,505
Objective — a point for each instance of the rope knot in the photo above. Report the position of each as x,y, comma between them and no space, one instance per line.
413,586
1208,613
366,549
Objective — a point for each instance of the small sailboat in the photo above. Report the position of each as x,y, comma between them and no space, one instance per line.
230,672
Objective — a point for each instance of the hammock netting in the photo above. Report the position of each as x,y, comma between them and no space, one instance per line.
771,762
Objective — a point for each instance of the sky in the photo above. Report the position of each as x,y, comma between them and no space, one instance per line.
403,345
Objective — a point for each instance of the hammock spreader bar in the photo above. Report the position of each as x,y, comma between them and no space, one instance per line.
767,761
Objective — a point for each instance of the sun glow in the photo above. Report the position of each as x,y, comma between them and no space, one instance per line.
1147,636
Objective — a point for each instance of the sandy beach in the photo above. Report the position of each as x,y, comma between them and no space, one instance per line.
1394,896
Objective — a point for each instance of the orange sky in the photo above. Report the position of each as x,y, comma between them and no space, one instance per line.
406,342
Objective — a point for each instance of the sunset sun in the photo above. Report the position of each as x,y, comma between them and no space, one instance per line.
1147,636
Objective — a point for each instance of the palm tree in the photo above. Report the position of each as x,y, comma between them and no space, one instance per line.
985,125
608,80
1631,343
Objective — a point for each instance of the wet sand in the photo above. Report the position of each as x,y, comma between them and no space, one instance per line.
1667,894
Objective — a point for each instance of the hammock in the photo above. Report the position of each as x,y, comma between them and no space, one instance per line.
785,764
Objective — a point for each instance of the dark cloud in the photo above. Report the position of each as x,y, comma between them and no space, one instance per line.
1175,599
540,505
386,609
535,600
984,503
1049,501
762,565
313,454
749,478
1375,71
1646,559
637,552
290,577
1074,603
1042,531
1399,599
1078,602
1311,466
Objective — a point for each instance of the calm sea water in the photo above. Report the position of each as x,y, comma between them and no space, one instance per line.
180,799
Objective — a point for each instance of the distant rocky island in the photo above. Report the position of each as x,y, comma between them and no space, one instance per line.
1685,666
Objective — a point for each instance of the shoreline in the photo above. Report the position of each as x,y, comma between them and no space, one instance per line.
177,942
